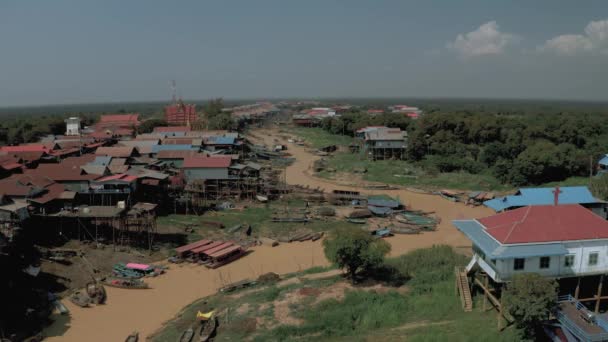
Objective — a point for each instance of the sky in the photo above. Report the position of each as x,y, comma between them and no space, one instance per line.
84,51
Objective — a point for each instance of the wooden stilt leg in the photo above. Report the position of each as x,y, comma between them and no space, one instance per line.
485,293
500,315
578,287
599,294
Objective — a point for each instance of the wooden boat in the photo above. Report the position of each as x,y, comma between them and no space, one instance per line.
80,299
356,220
125,283
207,329
134,337
405,230
187,335
60,307
238,285
262,198
383,232
316,236
401,219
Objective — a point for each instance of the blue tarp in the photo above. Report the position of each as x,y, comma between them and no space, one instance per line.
179,147
542,196
380,211
494,250
216,140
379,202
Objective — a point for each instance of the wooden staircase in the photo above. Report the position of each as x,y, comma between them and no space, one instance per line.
464,290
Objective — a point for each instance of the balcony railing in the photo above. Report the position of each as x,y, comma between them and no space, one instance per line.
574,328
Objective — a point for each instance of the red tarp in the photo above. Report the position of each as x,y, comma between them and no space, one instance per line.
218,248
224,252
207,247
193,245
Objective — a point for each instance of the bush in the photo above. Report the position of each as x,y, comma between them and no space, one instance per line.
355,250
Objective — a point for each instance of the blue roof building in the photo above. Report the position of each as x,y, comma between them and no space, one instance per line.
546,196
177,147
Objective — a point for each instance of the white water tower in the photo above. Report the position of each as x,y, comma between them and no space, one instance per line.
72,126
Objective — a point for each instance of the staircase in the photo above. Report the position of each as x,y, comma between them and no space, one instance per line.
464,290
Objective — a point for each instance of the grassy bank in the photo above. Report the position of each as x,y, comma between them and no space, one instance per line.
258,216
424,308
401,172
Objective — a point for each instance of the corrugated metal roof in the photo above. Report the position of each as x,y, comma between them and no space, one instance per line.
101,161
494,250
204,162
543,196
215,140
604,160
546,223
379,202
158,148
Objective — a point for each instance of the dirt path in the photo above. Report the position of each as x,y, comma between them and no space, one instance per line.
146,310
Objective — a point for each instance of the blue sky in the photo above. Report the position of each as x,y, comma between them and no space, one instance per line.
77,51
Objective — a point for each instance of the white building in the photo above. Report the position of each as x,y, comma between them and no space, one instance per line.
72,126
558,241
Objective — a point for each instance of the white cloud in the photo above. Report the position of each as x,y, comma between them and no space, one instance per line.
486,40
595,39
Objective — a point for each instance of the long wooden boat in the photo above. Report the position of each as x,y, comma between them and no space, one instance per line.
207,329
187,335
125,283
356,220
134,337
401,219
405,230
238,285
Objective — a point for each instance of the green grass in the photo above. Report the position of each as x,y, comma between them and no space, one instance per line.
404,173
319,137
572,181
259,217
428,311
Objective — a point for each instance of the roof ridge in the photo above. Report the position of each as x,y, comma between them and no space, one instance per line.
516,223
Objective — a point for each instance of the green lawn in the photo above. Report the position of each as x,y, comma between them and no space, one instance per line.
319,137
400,172
428,310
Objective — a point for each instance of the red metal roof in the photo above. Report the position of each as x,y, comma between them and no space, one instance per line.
167,154
61,172
121,177
226,251
203,162
191,246
546,223
212,245
120,118
120,152
218,248
25,148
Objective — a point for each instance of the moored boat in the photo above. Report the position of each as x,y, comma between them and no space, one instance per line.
356,220
207,329
187,335
125,283
134,337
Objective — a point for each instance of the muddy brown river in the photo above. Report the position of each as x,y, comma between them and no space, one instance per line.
145,311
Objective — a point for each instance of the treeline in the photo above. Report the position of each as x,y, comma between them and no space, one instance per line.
29,128
516,149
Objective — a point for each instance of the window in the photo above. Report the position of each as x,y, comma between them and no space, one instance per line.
593,258
569,261
544,262
493,261
519,264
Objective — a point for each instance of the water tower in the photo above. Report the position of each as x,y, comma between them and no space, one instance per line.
72,126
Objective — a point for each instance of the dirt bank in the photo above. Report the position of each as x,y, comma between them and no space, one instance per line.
146,310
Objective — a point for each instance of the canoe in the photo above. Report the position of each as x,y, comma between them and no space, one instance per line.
80,299
383,232
125,283
262,198
356,221
405,230
401,219
187,335
60,307
316,236
134,337
207,329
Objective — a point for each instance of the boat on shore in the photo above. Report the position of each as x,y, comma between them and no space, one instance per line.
124,283
134,337
80,299
405,230
356,220
262,198
207,329
187,335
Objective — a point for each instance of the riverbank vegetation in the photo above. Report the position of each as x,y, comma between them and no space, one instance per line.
416,303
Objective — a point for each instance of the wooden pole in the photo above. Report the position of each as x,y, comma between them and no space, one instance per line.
578,287
485,293
499,324
599,294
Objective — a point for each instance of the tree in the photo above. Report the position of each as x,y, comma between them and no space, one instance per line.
214,107
355,251
221,121
599,186
529,298
148,125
